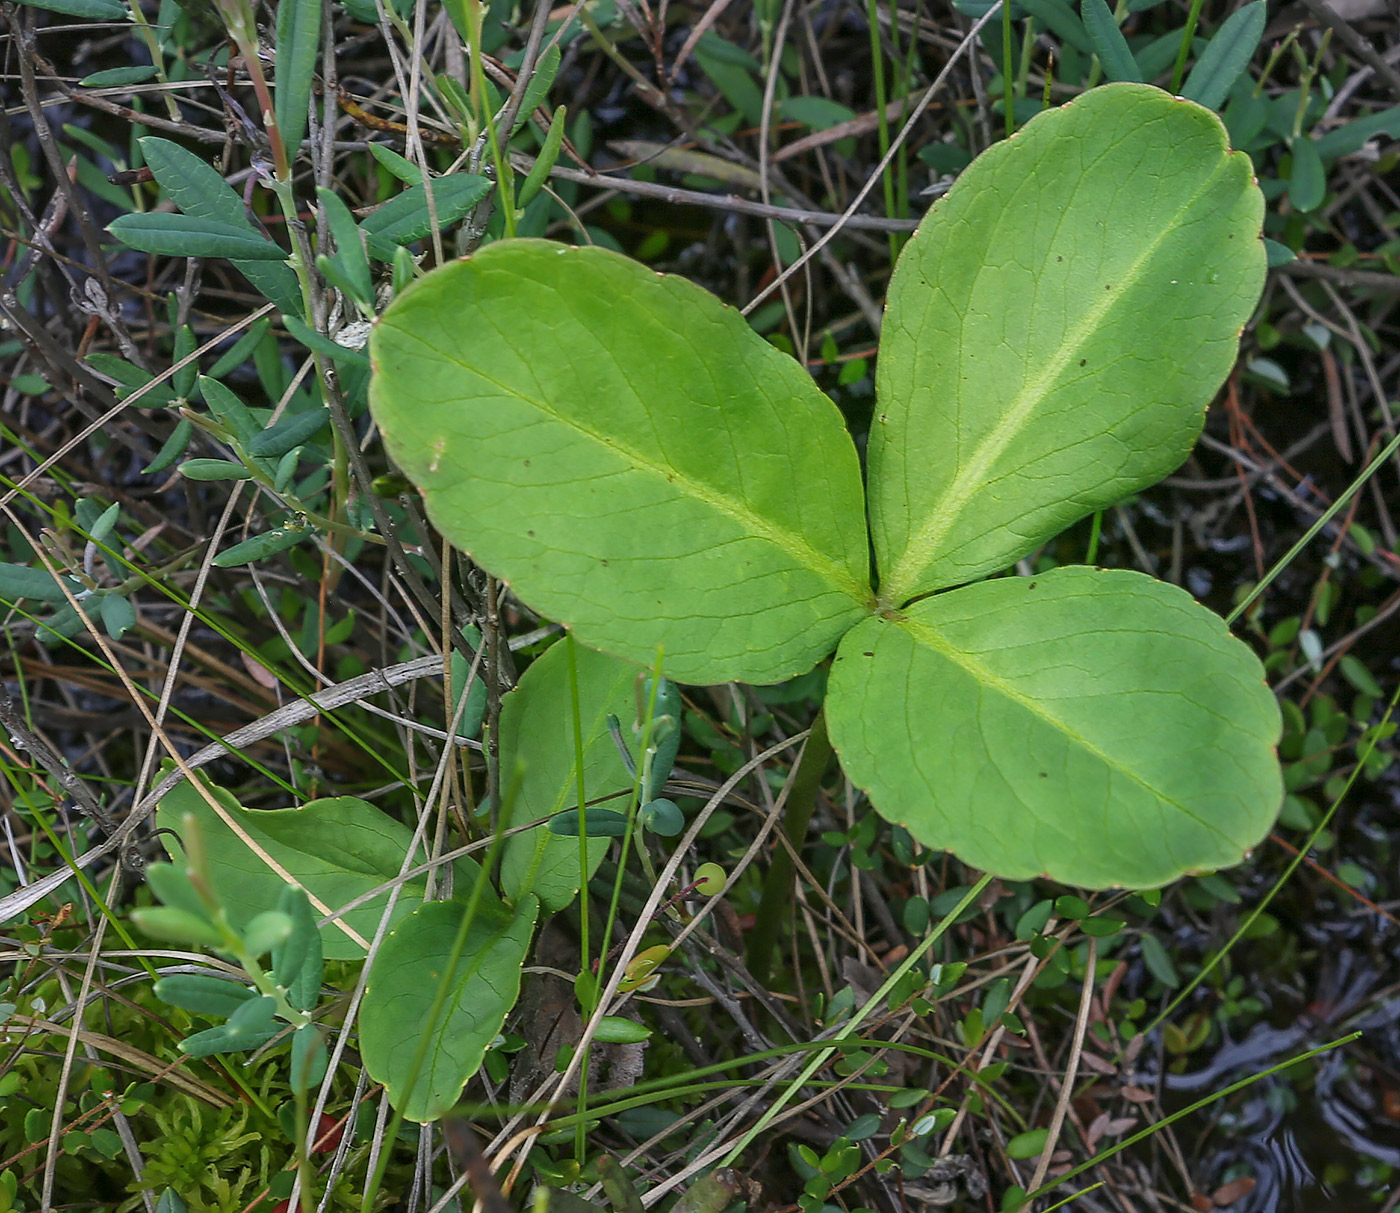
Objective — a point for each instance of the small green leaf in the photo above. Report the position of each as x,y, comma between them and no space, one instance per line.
322,344
1278,254
540,426
214,469
1158,960
1307,184
546,68
1108,41
309,1058
170,1202
188,236
1072,907
250,1025
1027,1145
118,615
259,547
544,162
349,246
709,879
297,962
1359,676
21,581
105,523
173,887
229,410
298,43
266,931
203,995
288,433
1053,725
600,823
615,1030
1227,55
664,817
180,926
404,219
1057,367
115,77
403,986
405,170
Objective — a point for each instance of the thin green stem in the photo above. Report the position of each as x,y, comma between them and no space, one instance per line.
1008,96
877,67
505,175
1095,530
812,764
587,991
1187,34
1331,512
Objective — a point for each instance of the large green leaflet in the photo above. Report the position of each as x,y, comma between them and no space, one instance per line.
1098,727
338,849
1054,331
537,727
396,1014
628,454
618,446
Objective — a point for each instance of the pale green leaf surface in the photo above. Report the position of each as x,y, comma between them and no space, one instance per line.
1054,331
537,726
402,988
628,454
337,849
1097,727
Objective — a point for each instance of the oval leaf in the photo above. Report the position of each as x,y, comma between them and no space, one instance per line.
403,985
337,849
1033,369
537,725
1097,727
630,455
189,236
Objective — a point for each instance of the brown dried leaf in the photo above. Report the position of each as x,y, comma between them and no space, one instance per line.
1236,1189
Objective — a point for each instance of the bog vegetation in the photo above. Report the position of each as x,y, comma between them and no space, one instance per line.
701,607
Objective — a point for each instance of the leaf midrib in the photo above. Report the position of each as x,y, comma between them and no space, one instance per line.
928,636
837,575
968,482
